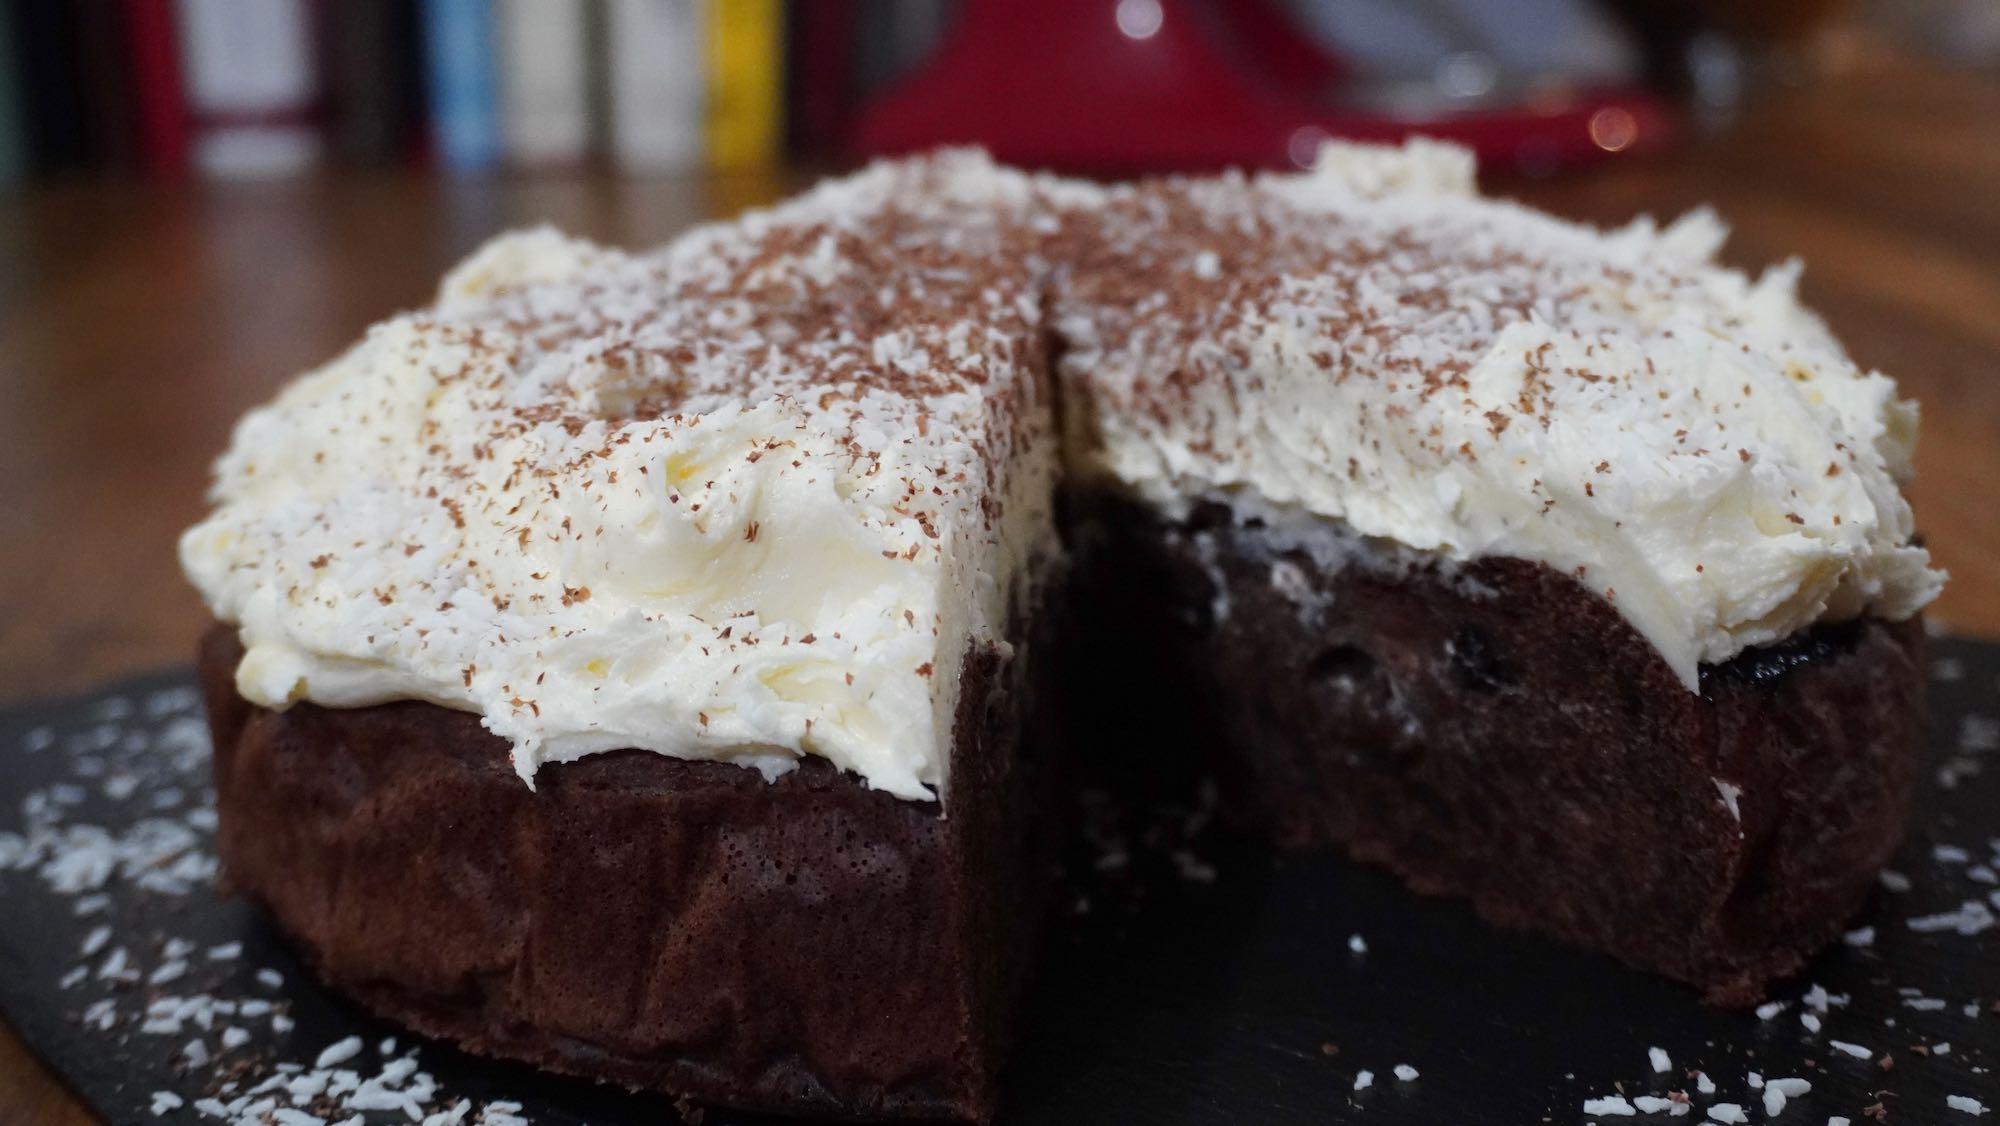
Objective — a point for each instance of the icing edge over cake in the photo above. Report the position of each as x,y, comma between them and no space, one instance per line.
1374,344
753,495
745,498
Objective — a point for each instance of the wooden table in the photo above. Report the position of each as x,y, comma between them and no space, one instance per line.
136,322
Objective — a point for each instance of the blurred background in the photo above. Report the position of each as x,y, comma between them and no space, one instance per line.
240,89
200,199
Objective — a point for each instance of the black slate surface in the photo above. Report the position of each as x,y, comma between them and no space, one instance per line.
1192,978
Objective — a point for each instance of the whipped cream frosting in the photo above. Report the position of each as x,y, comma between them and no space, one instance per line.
1373,344
746,498
756,494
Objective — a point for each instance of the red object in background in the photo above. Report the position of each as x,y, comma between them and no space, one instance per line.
156,85
1130,85
1261,34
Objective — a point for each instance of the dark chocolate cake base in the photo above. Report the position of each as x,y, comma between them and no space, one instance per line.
1494,732
806,945
1500,733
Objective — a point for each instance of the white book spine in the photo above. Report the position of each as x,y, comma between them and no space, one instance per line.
251,84
544,80
657,56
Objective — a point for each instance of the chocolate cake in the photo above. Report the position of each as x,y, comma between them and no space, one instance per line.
634,656
1555,569
1499,734
800,945
665,668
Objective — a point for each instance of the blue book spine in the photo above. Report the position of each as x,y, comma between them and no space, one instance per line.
464,83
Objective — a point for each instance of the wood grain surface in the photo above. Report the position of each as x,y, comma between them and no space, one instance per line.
137,321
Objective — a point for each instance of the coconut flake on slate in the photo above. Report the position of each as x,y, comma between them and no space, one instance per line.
1972,917
339,1052
1777,1091
95,941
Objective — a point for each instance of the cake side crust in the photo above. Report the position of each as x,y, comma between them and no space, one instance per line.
804,945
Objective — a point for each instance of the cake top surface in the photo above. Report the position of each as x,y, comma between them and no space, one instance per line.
737,498
1372,342
751,496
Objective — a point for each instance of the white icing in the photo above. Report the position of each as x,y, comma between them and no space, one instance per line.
769,572
1724,474
483,504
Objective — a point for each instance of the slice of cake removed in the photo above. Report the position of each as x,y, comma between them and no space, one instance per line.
615,528
1562,570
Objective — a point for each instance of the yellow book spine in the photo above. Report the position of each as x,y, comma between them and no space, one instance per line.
746,55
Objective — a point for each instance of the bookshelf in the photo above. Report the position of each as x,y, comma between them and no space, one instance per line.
262,89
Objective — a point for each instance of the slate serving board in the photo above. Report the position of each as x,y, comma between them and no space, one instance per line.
1191,977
